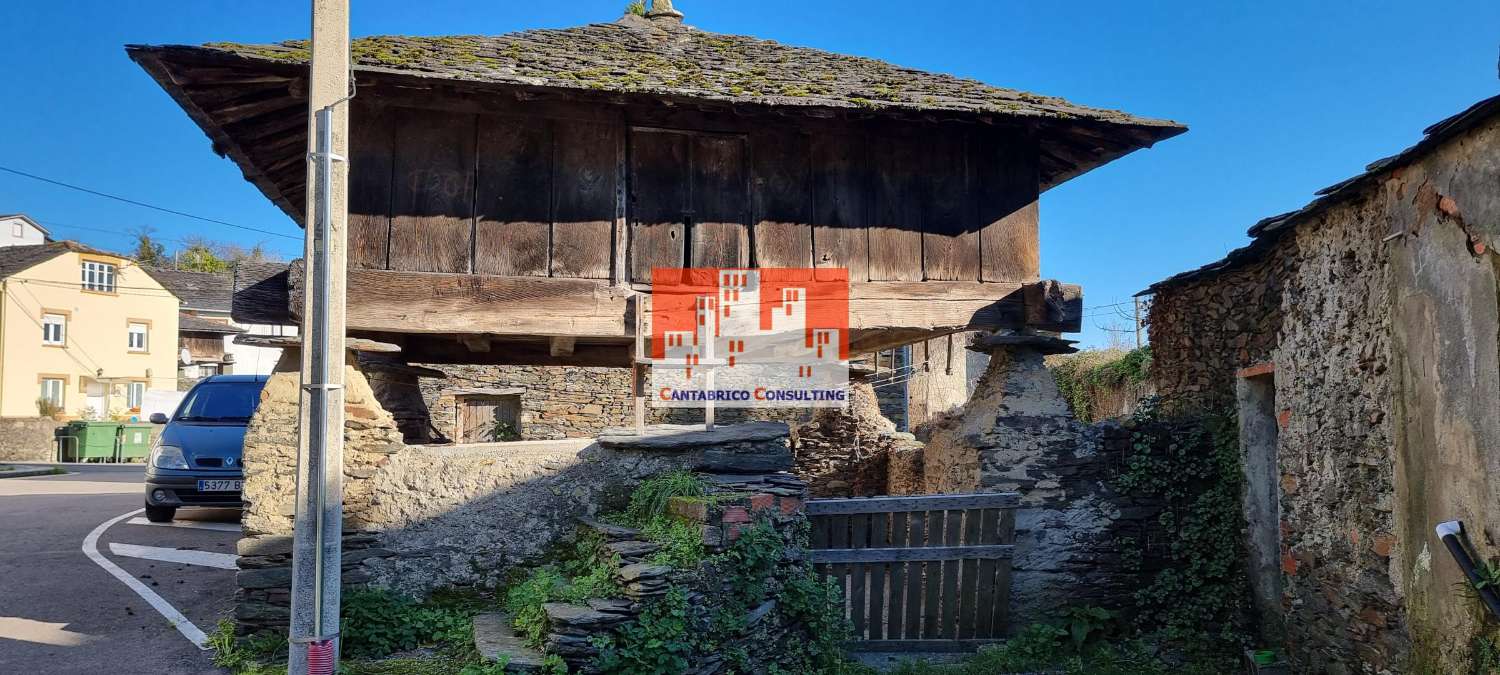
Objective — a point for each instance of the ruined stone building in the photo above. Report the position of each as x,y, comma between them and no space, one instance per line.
1357,338
509,198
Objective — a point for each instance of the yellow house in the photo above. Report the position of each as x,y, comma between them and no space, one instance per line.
88,331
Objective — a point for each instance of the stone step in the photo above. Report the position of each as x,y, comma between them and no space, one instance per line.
494,637
610,532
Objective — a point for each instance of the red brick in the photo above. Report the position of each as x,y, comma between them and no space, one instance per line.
762,502
1383,544
791,505
1284,419
736,514
1288,563
1354,537
1257,370
731,533
687,509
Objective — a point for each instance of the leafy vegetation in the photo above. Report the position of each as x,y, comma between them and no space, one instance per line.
45,407
1084,377
681,542
1083,641
588,572
636,7
1192,466
376,622
504,432
651,497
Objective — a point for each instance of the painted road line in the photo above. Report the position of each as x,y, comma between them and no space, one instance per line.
188,524
223,561
174,617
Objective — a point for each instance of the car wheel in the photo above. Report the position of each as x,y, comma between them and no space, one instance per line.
160,514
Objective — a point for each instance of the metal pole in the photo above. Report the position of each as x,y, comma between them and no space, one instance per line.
318,523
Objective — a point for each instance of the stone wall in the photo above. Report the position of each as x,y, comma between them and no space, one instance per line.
1387,385
419,517
846,452
1017,434
1204,331
28,439
570,401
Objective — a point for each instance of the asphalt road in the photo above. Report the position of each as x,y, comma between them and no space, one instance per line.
61,612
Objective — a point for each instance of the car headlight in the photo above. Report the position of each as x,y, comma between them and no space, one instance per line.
168,457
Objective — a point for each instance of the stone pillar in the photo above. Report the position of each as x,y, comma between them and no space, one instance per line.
938,384
1017,434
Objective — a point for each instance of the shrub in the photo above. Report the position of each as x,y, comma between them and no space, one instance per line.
651,497
681,542
46,408
376,623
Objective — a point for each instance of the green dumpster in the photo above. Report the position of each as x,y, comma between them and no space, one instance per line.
96,440
135,441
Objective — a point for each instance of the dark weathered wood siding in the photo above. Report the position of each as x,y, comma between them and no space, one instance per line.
553,194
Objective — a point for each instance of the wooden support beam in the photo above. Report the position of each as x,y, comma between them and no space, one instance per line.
881,313
562,346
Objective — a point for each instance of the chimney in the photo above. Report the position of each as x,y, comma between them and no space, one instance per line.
662,12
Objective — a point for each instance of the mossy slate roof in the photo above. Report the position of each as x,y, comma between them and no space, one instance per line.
638,55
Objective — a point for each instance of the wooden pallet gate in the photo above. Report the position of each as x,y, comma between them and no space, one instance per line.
919,573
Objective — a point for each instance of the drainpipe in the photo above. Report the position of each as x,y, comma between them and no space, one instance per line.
1453,536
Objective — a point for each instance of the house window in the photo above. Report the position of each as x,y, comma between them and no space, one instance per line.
98,276
135,392
137,336
54,329
52,390
208,369
17,230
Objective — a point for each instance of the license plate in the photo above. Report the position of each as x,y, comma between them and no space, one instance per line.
220,485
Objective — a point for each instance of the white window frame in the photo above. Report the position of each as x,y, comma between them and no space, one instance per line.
60,321
54,393
98,276
17,230
131,332
135,394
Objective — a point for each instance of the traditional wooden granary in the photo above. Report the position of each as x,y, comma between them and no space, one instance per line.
510,195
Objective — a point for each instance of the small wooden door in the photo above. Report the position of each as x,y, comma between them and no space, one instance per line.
489,419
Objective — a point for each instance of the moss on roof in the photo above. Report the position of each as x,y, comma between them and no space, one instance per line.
639,55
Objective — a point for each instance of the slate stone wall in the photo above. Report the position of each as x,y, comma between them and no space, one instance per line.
1204,331
1017,434
420,517
847,452
571,401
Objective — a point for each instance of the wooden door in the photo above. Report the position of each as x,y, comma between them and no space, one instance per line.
489,419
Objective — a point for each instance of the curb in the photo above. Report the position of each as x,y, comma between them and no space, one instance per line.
25,473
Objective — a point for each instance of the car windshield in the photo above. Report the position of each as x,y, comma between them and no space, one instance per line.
227,402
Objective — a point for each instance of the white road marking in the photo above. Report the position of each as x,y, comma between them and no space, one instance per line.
40,632
174,617
223,561
189,524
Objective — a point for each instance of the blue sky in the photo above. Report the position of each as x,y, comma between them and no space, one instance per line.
1282,98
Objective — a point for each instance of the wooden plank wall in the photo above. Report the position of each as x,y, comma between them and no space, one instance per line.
511,195
918,572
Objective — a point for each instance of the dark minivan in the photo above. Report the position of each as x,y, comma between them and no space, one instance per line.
196,461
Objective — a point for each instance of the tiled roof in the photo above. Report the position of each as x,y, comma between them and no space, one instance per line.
15,259
1268,230
189,323
197,290
638,55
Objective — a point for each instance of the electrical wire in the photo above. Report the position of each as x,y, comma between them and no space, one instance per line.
142,204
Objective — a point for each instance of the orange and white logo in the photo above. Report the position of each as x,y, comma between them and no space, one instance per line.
748,338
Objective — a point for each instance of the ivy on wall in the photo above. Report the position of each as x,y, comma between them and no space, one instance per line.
1086,377
1191,465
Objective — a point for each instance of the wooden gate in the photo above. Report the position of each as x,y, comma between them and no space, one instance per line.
929,572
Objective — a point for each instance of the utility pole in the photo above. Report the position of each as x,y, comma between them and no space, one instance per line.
1137,322
318,524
